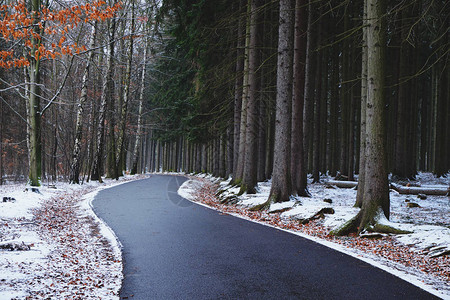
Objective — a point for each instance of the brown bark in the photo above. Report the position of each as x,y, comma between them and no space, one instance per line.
298,168
97,169
74,176
238,91
281,188
310,66
362,147
376,186
251,135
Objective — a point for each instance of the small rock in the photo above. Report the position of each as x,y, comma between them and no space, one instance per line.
412,204
9,199
422,196
327,200
407,200
326,210
32,189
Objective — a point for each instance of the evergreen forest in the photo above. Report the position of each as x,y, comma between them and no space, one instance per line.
248,89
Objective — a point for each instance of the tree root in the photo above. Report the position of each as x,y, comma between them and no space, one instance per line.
262,206
383,228
319,215
352,226
233,199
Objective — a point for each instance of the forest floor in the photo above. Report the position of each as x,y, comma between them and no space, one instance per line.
421,257
52,245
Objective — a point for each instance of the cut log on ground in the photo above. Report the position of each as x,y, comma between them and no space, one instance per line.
343,184
407,190
420,190
14,246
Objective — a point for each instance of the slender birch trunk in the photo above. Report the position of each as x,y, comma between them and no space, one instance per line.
74,176
97,169
141,109
126,97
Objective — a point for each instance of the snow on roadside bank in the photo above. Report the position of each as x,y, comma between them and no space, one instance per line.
67,251
406,256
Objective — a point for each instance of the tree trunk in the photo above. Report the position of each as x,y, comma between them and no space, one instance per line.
109,92
316,124
238,176
334,115
405,94
362,147
240,57
34,94
97,169
140,111
281,189
376,187
251,136
298,168
74,176
310,66
126,96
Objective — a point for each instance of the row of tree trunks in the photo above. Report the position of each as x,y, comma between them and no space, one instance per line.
74,176
97,169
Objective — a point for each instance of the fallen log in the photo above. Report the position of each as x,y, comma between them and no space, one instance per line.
14,246
409,190
343,184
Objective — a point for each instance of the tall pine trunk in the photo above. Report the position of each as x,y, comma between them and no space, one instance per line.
375,200
310,66
362,147
251,135
298,168
239,174
281,189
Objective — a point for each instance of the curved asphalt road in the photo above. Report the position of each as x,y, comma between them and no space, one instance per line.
174,249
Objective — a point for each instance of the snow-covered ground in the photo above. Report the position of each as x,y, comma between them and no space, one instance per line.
62,250
409,256
52,245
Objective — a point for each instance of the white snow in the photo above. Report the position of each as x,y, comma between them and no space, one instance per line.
40,272
71,262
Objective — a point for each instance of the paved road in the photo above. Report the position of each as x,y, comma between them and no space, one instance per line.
174,249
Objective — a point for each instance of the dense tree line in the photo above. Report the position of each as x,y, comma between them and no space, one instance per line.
230,52
252,89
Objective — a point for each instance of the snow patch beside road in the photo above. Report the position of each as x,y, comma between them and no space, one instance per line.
72,254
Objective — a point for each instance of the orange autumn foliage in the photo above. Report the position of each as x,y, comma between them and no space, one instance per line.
17,22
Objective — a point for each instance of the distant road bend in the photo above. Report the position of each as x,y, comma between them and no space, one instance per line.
175,249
